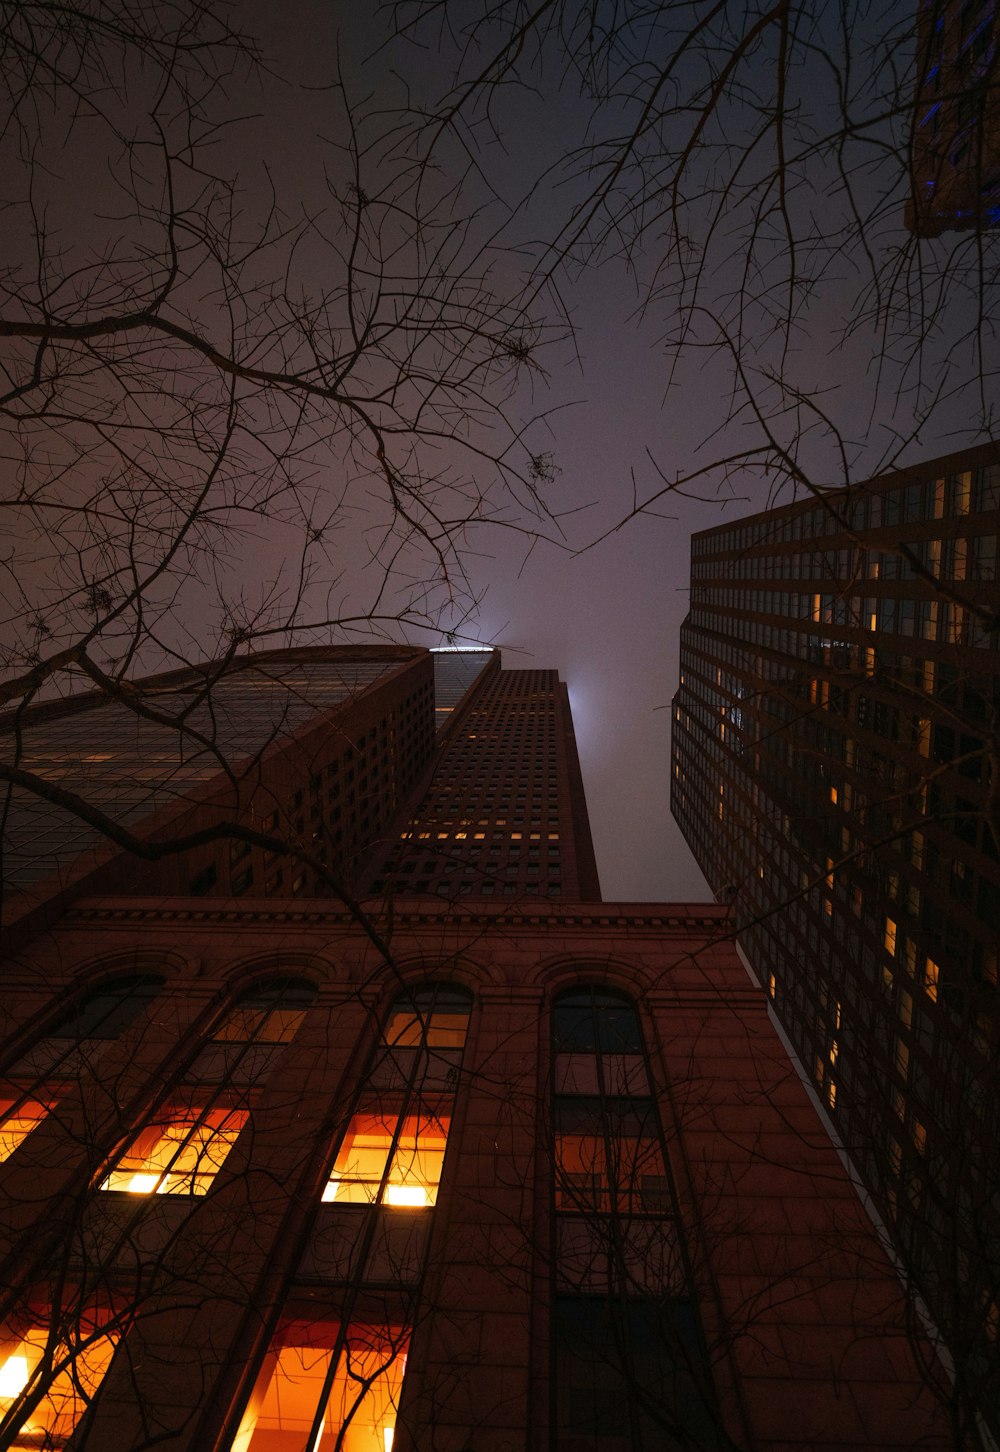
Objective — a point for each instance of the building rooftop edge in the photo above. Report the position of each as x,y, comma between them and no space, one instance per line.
971,458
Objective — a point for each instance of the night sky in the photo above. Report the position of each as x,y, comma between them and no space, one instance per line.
608,617
601,403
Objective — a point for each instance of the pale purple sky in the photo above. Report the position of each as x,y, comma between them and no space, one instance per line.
607,619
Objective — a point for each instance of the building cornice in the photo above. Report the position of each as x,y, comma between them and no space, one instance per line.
587,917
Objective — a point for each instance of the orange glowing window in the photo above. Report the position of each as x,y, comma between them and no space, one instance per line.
18,1117
396,1161
50,1382
259,1024
354,1410
609,1159
409,1028
180,1154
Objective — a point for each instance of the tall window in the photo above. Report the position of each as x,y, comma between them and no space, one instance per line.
326,1387
248,1042
183,1148
32,1085
81,1033
393,1151
19,1114
630,1372
178,1154
49,1377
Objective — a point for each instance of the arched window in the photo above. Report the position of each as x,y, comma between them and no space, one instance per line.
630,1370
77,1034
595,1021
435,1016
268,1015
181,1149
250,1038
34,1084
393,1150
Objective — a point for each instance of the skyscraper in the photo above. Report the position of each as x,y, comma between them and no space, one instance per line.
503,812
314,748
955,141
442,1170
834,770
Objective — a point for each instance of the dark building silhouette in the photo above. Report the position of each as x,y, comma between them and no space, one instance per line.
442,1170
835,772
955,141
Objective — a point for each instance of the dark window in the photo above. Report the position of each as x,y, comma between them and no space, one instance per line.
104,1013
630,1376
629,1364
203,881
592,1020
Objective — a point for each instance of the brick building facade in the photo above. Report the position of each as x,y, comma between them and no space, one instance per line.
443,1173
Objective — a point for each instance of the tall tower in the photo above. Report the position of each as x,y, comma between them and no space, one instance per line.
834,771
282,1171
501,811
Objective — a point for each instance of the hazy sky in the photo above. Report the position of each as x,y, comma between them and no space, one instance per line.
602,598
607,618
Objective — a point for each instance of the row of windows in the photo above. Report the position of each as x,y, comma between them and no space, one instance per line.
321,1377
962,557
950,497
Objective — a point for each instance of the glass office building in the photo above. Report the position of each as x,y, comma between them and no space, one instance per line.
834,768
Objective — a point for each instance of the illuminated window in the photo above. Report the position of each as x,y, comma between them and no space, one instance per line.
392,1159
931,975
272,1016
890,936
18,1118
180,1154
46,1383
436,1016
608,1157
303,1400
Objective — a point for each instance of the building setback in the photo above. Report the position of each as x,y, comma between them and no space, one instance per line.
449,1172
834,771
